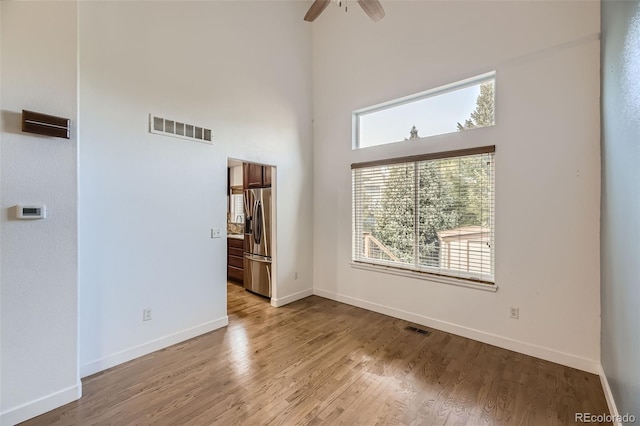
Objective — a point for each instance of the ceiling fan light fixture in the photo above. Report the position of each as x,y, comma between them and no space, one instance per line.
372,8
317,7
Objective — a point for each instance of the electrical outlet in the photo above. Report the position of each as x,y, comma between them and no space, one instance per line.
215,232
295,276
514,313
146,315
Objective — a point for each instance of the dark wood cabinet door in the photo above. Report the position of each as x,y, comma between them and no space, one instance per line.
235,260
266,176
254,178
235,274
245,175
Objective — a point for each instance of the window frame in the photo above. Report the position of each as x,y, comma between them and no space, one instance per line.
414,270
441,90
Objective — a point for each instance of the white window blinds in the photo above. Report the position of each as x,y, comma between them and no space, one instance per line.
431,213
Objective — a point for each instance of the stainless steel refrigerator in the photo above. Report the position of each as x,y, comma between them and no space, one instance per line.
257,241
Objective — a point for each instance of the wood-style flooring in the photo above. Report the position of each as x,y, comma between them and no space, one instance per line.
320,362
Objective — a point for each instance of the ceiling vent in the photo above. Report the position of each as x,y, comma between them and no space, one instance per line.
177,129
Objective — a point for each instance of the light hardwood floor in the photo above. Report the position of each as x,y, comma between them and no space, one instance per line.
320,362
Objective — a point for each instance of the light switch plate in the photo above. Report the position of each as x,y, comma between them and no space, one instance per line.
215,232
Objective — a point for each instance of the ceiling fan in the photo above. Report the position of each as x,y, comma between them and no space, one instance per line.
372,8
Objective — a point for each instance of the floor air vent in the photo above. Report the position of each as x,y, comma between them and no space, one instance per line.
417,330
177,129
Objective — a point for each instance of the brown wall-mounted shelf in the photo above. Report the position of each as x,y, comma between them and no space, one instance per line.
44,124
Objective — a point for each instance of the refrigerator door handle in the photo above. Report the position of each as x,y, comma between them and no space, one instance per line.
258,228
252,230
255,209
257,259
248,218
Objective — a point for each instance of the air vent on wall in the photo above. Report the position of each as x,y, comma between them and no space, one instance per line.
164,126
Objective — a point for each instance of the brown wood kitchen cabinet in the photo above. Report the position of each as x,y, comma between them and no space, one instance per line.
266,176
256,175
235,260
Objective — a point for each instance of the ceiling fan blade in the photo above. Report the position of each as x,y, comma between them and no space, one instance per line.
372,8
316,9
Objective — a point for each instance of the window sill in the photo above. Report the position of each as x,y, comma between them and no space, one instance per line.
460,282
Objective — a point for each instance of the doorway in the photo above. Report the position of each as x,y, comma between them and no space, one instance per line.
251,232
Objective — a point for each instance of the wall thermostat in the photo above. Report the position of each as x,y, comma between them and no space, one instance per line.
32,211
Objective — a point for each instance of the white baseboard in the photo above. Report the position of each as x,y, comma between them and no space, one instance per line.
291,298
609,397
39,406
148,347
584,364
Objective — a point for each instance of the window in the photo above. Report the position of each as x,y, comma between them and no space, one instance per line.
432,213
459,106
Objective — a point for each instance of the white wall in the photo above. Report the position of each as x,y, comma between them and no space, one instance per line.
546,57
147,202
38,265
621,202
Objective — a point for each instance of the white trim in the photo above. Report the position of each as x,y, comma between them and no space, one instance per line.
461,282
41,405
291,298
151,346
611,403
574,361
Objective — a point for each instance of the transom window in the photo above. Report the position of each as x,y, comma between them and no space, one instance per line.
463,105
432,213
